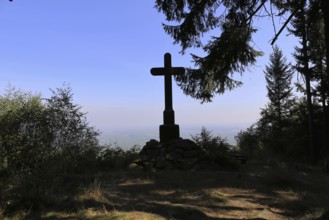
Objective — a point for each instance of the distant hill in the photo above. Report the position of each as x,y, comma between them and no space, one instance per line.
129,136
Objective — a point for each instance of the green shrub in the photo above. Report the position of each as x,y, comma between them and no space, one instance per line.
41,140
217,149
114,157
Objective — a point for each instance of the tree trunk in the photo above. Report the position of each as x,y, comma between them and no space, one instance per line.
306,72
312,144
325,12
324,119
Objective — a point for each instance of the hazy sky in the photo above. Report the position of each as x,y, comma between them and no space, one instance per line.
105,49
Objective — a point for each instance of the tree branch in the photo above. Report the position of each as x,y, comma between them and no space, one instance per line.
257,9
283,27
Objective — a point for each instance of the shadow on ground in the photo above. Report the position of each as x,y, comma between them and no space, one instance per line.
253,192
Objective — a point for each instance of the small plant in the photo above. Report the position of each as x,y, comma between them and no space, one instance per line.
114,157
216,149
95,191
211,144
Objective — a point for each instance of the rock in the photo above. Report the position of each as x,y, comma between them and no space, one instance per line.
177,154
135,166
191,154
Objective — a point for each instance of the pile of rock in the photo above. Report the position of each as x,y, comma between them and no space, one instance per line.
181,154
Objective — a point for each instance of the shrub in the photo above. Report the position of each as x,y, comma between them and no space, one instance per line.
114,157
217,149
40,141
248,143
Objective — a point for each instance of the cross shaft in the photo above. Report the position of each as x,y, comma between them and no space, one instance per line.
169,130
167,71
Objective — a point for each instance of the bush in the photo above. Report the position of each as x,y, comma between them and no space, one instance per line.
114,157
39,142
217,149
248,142
211,144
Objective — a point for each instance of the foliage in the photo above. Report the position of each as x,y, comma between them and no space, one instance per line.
274,117
278,76
216,148
231,51
310,63
41,141
71,135
282,130
209,143
297,137
257,140
43,144
271,134
114,157
19,121
226,54
248,143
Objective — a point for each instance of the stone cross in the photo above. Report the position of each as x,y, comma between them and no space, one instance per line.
169,130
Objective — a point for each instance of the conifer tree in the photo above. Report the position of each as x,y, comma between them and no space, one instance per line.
318,66
278,75
231,51
301,26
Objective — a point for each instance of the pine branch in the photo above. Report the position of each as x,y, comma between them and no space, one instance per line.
257,9
284,26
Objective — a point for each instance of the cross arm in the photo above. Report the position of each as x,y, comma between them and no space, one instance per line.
160,71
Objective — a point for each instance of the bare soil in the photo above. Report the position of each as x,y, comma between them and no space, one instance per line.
253,192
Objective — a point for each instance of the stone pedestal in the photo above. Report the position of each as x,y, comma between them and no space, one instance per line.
180,154
169,133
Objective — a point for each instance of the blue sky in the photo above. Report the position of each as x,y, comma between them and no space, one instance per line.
104,50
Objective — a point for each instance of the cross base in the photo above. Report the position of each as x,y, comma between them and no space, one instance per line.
169,132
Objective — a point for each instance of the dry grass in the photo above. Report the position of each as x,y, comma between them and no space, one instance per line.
253,192
100,215
94,192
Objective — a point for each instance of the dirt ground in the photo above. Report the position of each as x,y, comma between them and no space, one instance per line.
252,192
